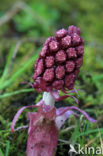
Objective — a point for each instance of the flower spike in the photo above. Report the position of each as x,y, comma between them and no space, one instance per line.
59,61
56,69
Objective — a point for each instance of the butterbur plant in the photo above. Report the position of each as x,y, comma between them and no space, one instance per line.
56,69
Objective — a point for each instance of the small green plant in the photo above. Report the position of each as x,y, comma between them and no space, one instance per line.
6,153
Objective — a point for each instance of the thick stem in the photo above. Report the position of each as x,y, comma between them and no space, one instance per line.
48,99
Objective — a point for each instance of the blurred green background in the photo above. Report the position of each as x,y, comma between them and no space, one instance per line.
24,26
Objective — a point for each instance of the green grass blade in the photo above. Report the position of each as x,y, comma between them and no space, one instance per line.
7,148
7,64
90,132
76,132
1,153
16,92
98,78
4,131
20,71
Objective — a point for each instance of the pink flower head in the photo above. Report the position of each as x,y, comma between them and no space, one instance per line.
60,57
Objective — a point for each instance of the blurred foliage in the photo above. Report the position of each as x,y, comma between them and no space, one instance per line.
35,19
21,38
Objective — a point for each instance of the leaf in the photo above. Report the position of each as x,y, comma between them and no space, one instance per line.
7,65
7,148
91,131
76,132
98,78
1,153
16,92
19,71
